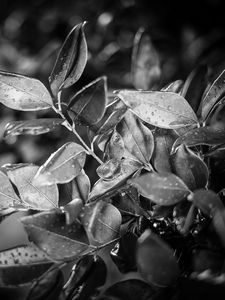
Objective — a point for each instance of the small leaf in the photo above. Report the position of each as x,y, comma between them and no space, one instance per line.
175,86
23,93
138,139
81,186
161,188
195,86
164,139
72,210
156,261
131,289
8,196
115,147
33,127
213,95
109,170
101,221
145,69
106,187
62,166
190,168
87,106
207,201
49,231
33,196
162,109
71,60
210,136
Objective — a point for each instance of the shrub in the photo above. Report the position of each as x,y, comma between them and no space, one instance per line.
158,201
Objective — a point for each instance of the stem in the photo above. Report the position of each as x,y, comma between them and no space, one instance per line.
72,128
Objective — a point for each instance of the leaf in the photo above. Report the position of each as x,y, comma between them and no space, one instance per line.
115,147
195,86
4,213
174,86
131,289
33,127
33,196
210,136
145,69
109,170
207,201
107,187
61,242
161,188
22,264
87,106
81,186
137,138
219,223
190,168
162,109
156,261
213,95
101,221
23,93
63,165
71,60
8,196
48,286
72,210
164,139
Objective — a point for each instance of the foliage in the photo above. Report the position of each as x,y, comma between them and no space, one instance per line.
155,202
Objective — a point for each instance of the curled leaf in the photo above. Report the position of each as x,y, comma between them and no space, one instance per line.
71,60
23,93
162,109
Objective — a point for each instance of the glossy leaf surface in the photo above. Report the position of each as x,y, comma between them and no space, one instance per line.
8,196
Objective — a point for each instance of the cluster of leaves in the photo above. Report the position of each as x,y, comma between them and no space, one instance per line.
154,199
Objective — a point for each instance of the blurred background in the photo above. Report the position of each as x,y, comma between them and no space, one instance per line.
184,33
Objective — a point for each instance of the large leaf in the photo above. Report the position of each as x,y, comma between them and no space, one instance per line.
213,95
161,188
33,127
138,138
107,187
208,135
164,139
71,60
58,240
156,261
131,289
63,165
23,93
162,109
101,221
87,106
32,195
190,168
8,196
195,86
145,67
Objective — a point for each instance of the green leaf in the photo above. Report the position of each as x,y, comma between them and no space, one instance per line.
115,148
210,136
145,69
190,168
8,196
23,93
71,60
174,86
72,210
81,186
161,188
213,95
207,201
62,166
87,106
33,127
33,196
137,138
162,109
164,139
4,213
195,86
156,261
61,242
101,221
108,187
109,170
